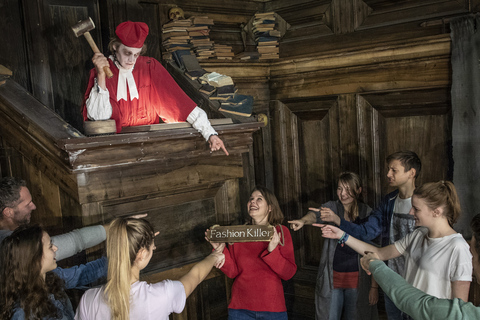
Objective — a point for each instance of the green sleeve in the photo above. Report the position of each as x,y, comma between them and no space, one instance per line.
416,303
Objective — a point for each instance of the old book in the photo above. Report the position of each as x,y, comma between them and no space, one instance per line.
267,49
253,55
201,20
191,63
195,74
228,90
177,57
216,79
207,89
240,105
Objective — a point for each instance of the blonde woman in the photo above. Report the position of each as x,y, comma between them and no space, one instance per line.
130,245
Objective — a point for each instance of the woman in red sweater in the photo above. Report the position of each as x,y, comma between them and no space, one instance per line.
260,267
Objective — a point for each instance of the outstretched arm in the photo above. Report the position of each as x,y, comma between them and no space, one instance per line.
71,243
414,302
200,271
199,121
332,232
309,218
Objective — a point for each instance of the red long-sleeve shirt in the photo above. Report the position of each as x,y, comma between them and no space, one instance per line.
258,274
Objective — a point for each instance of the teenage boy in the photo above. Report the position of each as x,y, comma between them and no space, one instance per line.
418,304
391,219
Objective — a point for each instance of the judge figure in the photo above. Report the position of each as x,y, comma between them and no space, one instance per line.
141,91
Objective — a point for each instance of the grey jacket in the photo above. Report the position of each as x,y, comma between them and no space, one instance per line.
324,286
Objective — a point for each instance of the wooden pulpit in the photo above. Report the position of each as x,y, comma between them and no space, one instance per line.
170,174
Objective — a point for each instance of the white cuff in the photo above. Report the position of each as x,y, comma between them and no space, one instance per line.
199,121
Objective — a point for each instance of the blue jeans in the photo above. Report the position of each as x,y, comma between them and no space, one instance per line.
343,300
242,314
393,313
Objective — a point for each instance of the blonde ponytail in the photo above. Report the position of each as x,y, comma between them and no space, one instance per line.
126,236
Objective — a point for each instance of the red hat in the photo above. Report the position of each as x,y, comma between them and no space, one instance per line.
132,34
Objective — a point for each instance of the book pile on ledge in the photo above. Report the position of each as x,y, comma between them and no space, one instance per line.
199,34
175,36
223,52
266,35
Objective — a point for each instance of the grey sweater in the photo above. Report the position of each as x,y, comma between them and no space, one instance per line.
73,242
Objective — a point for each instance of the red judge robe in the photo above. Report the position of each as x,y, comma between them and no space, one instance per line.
159,96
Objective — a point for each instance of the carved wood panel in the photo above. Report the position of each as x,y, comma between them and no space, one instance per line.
314,143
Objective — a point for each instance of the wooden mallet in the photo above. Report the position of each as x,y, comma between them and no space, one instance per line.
82,28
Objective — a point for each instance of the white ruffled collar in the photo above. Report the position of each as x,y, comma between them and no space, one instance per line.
125,77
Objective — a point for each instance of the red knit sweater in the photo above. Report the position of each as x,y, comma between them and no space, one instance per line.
258,274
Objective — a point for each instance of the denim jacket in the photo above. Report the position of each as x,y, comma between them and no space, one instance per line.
378,222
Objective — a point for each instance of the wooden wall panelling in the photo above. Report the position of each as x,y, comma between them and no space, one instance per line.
371,128
69,56
387,12
348,134
14,56
416,120
428,137
37,53
39,155
227,204
381,77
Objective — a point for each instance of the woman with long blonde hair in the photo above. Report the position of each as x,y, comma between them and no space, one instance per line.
130,246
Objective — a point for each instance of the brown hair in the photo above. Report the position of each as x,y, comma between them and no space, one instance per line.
275,216
20,276
408,159
354,183
475,225
126,236
441,194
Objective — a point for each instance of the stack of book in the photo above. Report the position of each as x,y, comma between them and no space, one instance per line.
175,36
224,87
199,33
223,51
266,34
239,105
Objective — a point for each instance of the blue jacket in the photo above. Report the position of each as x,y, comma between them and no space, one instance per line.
378,222
74,277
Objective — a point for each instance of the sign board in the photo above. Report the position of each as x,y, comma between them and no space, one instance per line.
244,233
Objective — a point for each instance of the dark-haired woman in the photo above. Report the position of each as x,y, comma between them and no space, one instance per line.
260,267
342,286
31,285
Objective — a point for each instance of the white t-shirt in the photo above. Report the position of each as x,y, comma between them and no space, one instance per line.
431,264
148,301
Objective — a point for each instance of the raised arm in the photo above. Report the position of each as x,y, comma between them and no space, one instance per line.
200,271
73,242
332,232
